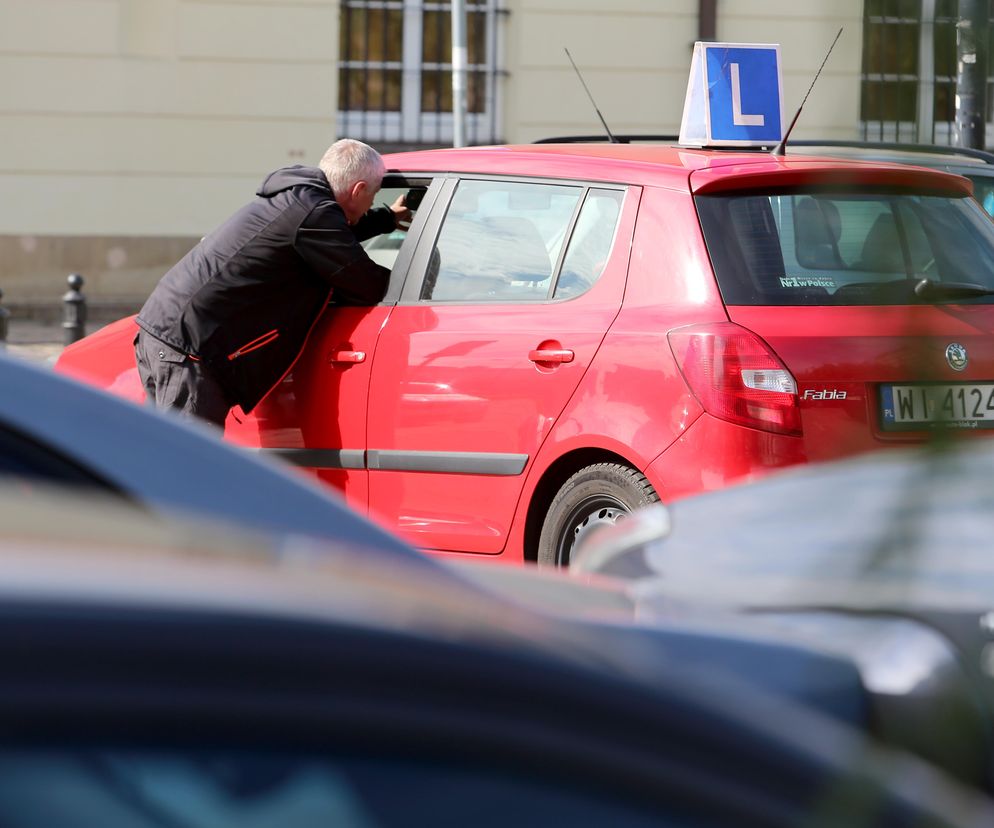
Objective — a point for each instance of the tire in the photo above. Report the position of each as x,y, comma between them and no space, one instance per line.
595,495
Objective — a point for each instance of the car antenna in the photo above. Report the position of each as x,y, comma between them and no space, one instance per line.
610,137
781,148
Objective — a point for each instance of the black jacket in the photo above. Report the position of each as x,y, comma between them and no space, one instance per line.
246,297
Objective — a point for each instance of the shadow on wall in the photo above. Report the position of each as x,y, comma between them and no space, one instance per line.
120,271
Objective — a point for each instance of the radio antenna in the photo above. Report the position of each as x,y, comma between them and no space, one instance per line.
781,148
611,138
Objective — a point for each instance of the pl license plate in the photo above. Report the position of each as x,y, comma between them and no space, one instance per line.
914,407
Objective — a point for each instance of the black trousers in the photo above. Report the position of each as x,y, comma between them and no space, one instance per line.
174,381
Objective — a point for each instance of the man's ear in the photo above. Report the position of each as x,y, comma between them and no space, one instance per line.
358,189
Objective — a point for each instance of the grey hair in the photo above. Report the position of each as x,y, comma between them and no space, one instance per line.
346,162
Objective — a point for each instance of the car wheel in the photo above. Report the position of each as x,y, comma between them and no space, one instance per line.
596,495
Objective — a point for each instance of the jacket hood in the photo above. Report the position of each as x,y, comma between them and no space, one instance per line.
295,176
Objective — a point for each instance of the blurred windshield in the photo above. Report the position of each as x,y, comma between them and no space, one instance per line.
847,248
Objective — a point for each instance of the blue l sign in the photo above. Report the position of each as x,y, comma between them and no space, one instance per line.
734,96
744,93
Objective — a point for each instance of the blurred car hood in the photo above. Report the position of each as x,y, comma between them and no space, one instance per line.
909,527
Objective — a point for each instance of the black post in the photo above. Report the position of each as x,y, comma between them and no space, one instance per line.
74,310
971,74
707,20
4,324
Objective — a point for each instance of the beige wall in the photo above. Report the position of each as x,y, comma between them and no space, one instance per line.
805,30
149,119
635,57
132,127
156,116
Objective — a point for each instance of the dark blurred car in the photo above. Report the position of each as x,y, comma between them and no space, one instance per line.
247,681
975,164
57,430
53,430
884,561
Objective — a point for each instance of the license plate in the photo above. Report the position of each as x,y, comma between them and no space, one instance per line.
914,407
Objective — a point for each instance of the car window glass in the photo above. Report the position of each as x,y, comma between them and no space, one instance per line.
500,241
845,248
383,249
919,249
590,243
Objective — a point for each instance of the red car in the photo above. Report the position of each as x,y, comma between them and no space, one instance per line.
572,331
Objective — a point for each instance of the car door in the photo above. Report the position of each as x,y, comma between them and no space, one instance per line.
316,418
518,284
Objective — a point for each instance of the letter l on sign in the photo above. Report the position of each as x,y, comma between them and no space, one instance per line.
737,117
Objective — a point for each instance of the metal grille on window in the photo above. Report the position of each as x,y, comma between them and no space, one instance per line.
395,72
908,89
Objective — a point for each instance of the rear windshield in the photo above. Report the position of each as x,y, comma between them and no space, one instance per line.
848,248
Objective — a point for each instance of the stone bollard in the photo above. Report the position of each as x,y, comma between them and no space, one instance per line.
74,310
4,323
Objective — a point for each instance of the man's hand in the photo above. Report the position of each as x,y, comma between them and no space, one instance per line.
402,216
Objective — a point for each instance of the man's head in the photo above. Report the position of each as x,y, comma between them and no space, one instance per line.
354,171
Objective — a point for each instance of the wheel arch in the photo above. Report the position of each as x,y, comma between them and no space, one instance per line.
552,481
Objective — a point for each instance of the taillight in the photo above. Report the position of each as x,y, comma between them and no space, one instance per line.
737,377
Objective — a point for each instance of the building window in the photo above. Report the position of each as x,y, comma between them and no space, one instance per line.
889,94
395,71
908,90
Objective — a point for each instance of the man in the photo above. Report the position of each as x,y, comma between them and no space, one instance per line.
227,322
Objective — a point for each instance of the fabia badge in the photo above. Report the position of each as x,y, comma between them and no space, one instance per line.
956,356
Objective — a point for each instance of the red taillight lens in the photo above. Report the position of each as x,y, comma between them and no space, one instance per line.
737,377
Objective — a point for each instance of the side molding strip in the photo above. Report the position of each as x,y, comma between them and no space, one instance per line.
319,458
450,462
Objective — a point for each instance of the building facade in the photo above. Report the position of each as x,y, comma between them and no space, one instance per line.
133,127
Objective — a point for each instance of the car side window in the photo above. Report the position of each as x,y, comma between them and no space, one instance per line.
590,243
500,241
384,249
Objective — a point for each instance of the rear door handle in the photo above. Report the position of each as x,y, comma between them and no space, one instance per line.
347,357
557,355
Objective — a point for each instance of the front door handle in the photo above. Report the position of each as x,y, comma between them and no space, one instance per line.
347,357
553,355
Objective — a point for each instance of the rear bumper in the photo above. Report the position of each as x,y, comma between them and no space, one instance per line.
713,454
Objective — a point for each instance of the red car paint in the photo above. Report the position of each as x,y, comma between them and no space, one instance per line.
456,423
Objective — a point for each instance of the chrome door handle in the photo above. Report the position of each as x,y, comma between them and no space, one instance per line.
558,355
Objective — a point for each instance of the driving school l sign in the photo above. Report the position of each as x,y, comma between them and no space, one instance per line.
734,96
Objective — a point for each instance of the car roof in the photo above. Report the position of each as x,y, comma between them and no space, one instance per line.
683,168
103,556
102,551
976,163
834,147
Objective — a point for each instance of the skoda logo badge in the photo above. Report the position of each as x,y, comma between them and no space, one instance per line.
956,356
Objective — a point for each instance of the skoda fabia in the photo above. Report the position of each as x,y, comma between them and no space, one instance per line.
572,331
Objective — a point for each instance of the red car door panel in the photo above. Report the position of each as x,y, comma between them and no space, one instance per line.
463,396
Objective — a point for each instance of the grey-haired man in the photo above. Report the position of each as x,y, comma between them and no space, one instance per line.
227,322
